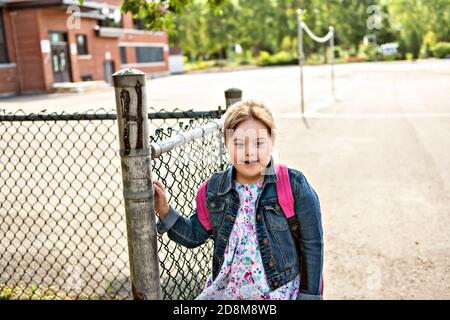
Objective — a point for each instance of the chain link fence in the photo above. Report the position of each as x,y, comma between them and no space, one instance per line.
62,217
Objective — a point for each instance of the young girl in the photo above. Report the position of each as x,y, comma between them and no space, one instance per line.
255,256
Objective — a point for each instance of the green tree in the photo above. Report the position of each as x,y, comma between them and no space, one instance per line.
417,18
159,14
210,28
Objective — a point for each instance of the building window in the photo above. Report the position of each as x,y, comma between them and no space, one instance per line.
149,54
3,49
139,24
82,44
111,23
55,37
87,77
123,55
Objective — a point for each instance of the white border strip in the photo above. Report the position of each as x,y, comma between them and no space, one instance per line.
142,44
164,46
378,115
144,64
369,115
7,65
91,4
147,32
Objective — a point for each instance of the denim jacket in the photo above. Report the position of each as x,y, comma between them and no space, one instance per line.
279,255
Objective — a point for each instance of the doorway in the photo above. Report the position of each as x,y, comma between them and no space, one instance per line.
108,67
60,56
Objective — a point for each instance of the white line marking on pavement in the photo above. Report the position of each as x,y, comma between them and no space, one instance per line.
379,115
321,104
364,115
326,103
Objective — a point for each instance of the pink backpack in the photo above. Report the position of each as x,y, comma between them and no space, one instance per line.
285,199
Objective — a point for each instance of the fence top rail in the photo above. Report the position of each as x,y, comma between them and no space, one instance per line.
159,148
21,116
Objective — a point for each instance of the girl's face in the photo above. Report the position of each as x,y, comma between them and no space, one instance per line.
250,148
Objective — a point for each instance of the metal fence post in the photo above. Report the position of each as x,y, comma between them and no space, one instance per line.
300,58
333,90
135,154
232,95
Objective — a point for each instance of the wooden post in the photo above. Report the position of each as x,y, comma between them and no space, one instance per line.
135,154
232,95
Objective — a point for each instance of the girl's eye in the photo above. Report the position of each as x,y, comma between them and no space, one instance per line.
238,144
260,144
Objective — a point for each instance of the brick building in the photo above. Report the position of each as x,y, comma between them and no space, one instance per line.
44,43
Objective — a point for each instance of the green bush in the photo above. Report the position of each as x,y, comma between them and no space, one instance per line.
391,57
370,52
353,53
413,42
441,50
198,65
340,55
315,59
219,63
429,40
286,44
243,61
263,59
280,58
283,58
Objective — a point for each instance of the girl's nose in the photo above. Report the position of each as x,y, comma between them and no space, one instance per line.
250,151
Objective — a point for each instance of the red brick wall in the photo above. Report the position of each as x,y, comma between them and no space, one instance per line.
8,73
54,19
8,84
29,59
33,68
100,47
9,35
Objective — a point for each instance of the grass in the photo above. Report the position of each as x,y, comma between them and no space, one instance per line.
34,292
30,293
271,60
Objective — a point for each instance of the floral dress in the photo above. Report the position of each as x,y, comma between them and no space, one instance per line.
242,274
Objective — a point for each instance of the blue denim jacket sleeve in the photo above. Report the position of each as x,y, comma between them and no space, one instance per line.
307,209
187,232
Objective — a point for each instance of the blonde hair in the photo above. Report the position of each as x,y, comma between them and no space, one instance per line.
244,110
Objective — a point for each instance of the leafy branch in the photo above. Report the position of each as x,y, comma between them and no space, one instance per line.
158,15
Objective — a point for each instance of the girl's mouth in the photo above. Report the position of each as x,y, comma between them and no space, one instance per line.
251,162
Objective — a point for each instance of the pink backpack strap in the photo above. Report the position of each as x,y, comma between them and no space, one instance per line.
284,191
202,210
322,285
286,200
